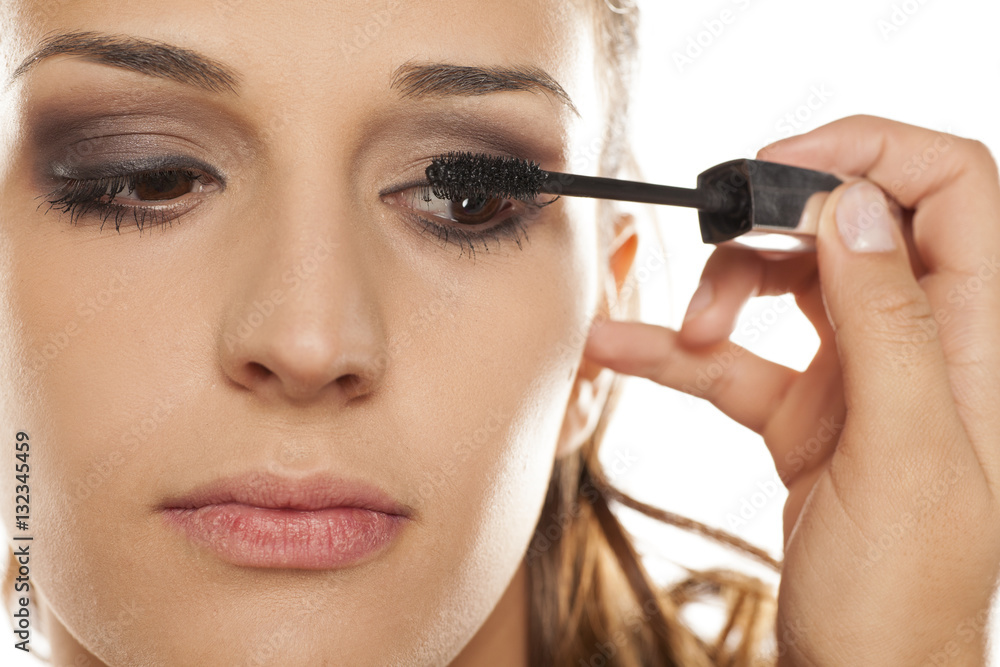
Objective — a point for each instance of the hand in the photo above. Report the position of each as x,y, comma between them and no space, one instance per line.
889,442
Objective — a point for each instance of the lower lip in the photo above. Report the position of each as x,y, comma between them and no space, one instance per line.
250,536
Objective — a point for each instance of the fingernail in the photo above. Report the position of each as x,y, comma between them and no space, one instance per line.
865,219
700,300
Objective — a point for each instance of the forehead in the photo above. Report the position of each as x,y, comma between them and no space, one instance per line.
334,43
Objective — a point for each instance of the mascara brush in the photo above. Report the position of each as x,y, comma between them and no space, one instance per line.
760,204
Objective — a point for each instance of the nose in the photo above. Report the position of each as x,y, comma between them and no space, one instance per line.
302,324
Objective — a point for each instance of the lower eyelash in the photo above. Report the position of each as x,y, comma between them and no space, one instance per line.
512,227
81,198
141,214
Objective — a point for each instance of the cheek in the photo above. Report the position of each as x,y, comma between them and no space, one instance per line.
494,391
66,317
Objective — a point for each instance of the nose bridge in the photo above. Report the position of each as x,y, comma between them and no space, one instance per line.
302,319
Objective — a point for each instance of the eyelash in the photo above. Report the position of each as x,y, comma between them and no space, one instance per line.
82,197
512,227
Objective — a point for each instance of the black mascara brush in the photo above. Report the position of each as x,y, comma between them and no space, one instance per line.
751,202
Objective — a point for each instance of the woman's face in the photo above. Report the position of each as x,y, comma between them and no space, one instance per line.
282,315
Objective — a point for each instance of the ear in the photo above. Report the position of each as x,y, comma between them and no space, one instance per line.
593,383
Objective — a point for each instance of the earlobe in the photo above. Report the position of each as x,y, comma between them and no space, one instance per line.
586,402
592,384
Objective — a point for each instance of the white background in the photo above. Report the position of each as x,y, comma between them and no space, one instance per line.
939,70
751,85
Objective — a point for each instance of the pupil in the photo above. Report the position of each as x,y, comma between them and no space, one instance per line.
474,205
475,210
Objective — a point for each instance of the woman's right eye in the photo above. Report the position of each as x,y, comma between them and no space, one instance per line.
148,196
160,185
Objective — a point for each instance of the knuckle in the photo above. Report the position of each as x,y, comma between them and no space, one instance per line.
895,313
662,370
980,154
723,384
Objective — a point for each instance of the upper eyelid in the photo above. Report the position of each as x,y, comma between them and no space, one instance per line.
138,166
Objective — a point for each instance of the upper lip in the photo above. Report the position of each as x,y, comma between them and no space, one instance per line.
270,490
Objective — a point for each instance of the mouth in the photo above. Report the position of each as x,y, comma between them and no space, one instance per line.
265,520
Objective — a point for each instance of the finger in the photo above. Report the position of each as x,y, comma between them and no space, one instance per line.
742,385
896,387
804,432
731,277
952,183
942,176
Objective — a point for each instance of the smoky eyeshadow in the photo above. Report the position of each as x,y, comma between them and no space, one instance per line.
134,165
114,156
97,137
87,139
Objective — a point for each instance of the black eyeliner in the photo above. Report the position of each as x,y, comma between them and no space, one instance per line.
136,165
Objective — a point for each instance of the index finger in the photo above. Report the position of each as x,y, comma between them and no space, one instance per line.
951,182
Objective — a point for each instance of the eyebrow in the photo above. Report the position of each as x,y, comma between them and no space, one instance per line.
145,56
415,80
166,61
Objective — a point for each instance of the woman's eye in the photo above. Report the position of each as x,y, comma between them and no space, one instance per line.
469,223
153,196
472,211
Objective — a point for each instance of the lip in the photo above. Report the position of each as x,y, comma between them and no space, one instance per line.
266,520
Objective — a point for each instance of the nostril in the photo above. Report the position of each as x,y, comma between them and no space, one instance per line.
353,385
257,372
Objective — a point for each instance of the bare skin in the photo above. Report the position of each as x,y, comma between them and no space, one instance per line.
394,356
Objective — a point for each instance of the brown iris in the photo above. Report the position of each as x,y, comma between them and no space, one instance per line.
159,186
475,210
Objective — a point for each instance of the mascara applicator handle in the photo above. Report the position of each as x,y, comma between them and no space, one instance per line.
764,205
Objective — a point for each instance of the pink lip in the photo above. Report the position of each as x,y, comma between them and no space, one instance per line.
264,520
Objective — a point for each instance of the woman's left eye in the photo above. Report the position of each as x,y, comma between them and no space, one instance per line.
473,211
462,221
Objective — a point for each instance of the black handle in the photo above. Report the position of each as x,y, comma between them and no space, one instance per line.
764,199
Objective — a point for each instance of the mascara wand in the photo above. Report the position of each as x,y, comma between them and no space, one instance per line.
760,204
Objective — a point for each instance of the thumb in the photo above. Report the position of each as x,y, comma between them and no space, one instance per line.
886,330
